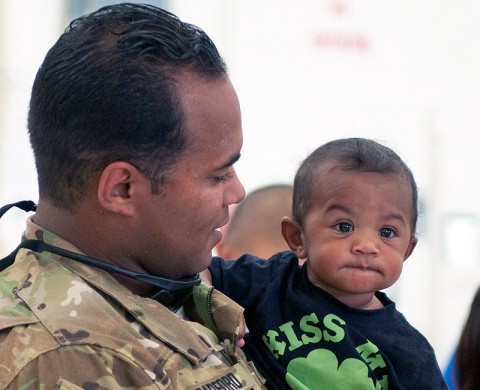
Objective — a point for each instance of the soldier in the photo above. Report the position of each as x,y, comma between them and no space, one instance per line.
135,127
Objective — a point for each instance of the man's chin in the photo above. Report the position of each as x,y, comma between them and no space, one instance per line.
202,264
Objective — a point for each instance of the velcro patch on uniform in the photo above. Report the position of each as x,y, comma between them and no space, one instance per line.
236,378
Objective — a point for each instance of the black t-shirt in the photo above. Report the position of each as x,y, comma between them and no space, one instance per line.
303,336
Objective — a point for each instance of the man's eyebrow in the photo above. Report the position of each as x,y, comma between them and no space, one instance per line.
230,162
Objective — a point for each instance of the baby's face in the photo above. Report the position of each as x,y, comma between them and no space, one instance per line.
358,233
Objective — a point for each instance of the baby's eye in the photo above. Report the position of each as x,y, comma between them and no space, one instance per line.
387,232
344,227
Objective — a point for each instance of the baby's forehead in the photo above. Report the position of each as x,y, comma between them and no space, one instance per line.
332,182
329,177
331,170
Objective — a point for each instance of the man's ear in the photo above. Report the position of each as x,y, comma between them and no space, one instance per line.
118,184
293,235
411,247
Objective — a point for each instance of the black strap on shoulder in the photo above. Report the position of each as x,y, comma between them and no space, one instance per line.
26,205
172,292
41,246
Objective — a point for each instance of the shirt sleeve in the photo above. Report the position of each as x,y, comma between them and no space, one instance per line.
244,280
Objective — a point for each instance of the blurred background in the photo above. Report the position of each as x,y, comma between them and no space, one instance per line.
403,72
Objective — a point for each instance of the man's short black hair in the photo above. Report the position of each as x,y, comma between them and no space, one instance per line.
106,91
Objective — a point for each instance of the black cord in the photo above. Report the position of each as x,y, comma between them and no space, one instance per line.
40,246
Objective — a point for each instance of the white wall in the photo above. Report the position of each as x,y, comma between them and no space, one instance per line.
28,30
403,72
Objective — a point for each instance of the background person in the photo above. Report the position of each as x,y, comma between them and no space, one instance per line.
254,225
463,372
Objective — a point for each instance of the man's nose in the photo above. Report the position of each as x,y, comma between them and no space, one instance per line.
235,192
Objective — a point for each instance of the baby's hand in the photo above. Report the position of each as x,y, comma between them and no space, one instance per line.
206,276
241,333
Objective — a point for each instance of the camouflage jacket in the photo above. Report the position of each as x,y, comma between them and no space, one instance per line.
66,325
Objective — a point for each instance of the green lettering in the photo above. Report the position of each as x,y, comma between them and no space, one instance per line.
313,333
287,328
382,384
368,352
275,347
338,332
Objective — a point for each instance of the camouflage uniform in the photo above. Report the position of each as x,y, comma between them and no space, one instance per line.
66,325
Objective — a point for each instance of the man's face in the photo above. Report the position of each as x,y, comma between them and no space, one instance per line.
182,222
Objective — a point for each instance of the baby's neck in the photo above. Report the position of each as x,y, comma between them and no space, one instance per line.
367,301
373,303
361,301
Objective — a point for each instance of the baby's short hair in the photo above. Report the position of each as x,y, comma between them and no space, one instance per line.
348,155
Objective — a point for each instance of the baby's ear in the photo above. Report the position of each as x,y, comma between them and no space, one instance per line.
293,235
411,247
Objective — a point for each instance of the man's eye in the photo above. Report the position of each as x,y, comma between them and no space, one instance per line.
387,232
224,178
344,227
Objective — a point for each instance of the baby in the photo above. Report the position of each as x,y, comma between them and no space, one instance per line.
326,324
